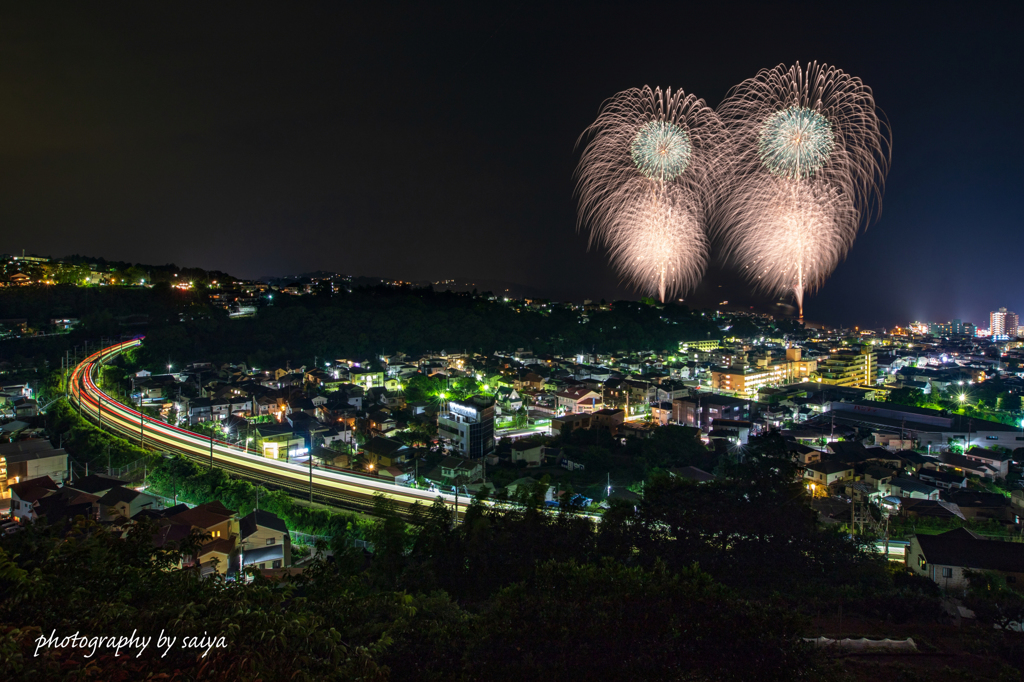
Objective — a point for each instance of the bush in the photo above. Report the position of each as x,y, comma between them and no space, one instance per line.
87,443
196,485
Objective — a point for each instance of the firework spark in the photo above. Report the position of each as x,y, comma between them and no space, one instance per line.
808,162
645,184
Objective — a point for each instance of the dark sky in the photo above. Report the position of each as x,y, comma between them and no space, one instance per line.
431,141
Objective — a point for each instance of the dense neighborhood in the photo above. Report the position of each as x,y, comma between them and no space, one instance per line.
904,443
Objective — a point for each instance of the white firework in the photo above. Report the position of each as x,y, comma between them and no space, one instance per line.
646,180
802,233
809,155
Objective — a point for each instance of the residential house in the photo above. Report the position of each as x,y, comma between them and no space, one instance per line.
26,494
96,484
365,377
571,422
971,467
280,441
385,452
691,473
980,505
382,421
25,408
125,503
264,541
216,409
460,468
946,558
999,462
66,504
220,525
527,485
661,413
609,418
903,486
529,452
736,430
508,400
827,473
395,475
878,476
667,391
33,458
802,454
936,509
578,400
946,480
702,409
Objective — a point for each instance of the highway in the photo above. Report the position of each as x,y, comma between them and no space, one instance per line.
340,489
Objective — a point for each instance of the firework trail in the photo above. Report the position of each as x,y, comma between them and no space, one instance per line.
807,166
645,182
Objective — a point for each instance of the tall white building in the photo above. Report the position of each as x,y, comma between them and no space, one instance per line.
469,424
1003,323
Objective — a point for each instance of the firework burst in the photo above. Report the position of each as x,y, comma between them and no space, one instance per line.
645,181
808,160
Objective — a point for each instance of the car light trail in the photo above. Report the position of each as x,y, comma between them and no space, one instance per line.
349,489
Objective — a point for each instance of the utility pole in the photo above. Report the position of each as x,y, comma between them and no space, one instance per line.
211,449
142,423
311,473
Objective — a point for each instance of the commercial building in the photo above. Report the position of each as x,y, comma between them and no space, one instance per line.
469,425
1003,324
932,428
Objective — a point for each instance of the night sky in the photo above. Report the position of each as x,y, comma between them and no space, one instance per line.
431,141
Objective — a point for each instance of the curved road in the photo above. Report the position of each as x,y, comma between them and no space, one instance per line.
348,490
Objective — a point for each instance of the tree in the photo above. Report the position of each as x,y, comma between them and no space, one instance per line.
93,583
1009,402
586,621
520,419
676,446
912,397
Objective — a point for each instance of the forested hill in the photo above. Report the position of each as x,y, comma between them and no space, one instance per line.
183,326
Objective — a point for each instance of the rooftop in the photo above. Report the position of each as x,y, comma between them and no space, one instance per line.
961,547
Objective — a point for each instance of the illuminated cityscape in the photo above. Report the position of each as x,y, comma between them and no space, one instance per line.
414,343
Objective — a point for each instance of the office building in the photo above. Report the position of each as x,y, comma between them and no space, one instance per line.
469,425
